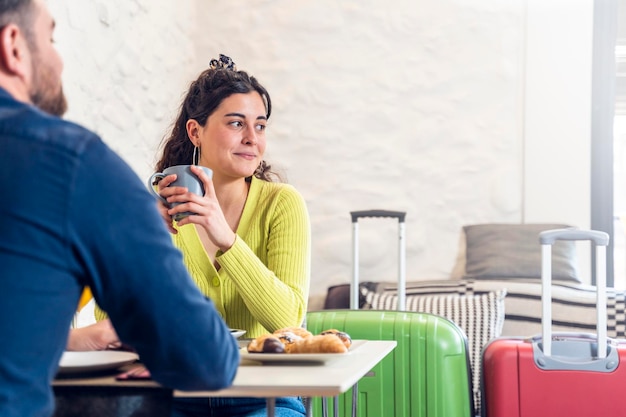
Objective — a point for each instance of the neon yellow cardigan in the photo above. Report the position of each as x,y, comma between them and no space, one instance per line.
263,281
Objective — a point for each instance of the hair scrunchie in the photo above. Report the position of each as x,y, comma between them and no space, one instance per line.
224,62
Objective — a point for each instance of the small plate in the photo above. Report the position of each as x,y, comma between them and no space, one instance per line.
237,333
269,358
73,362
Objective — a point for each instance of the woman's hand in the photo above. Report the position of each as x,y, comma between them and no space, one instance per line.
166,192
97,336
209,214
139,372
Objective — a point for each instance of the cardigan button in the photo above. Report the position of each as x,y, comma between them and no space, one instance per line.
215,282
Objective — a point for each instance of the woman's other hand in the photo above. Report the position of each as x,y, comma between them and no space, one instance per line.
97,336
139,372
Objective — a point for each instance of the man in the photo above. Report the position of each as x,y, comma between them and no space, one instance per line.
72,214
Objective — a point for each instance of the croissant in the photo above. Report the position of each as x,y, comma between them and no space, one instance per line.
266,343
299,340
298,331
345,337
323,343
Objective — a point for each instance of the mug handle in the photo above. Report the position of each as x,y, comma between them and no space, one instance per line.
151,187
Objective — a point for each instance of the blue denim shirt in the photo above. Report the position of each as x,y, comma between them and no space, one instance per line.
72,213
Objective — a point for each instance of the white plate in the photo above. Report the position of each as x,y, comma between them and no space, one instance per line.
299,357
237,333
72,362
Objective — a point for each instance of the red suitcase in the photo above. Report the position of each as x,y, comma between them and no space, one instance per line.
560,374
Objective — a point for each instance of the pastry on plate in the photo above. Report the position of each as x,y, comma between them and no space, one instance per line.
266,343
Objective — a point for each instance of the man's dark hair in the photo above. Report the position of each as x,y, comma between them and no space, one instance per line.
21,13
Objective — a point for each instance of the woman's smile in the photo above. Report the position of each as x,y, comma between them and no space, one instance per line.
246,155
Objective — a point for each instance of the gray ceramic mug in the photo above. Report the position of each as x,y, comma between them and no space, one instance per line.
184,178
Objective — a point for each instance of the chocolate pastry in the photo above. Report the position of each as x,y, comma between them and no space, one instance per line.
345,337
298,331
287,339
299,340
326,343
266,343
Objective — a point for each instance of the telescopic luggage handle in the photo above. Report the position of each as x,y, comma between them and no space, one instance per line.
549,237
356,215
600,240
354,288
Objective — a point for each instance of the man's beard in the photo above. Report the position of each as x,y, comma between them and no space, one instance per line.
42,94
55,105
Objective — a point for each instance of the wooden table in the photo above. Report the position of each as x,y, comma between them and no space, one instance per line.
269,380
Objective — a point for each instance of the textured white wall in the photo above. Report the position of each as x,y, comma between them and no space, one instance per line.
401,105
127,63
409,105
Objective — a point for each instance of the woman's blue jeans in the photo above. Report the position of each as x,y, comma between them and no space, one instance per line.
235,407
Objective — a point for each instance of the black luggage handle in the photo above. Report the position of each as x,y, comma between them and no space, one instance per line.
356,215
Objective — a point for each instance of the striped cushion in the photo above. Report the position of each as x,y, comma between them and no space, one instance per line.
479,316
573,304
573,308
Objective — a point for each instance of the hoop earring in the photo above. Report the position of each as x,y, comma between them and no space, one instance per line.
195,159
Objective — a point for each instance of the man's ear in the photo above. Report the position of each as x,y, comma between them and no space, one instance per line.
14,52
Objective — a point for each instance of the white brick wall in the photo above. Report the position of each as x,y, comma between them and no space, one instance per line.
410,105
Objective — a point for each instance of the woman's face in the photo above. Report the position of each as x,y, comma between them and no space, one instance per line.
232,141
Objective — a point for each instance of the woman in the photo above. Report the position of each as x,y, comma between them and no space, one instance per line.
248,245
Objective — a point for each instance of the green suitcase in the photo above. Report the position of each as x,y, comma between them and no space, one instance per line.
426,375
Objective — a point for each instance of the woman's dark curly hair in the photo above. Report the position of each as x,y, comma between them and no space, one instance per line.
205,94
